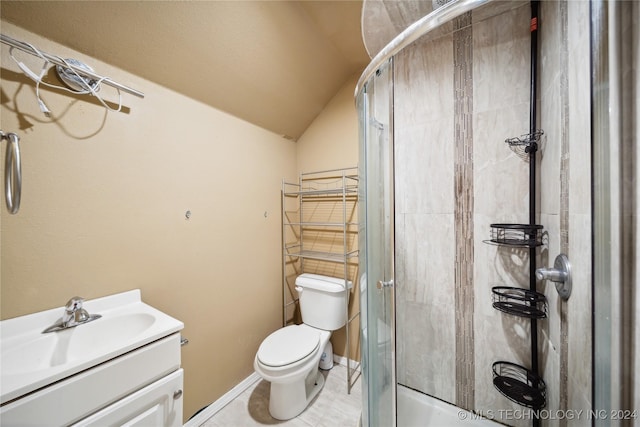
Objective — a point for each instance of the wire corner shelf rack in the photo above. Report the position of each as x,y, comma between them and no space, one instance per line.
320,236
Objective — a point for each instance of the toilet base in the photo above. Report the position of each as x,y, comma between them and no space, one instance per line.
288,400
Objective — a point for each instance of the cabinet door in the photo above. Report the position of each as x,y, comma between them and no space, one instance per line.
158,404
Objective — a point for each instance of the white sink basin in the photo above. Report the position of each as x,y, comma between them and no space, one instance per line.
30,359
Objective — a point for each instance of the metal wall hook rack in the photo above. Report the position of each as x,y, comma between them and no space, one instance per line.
12,172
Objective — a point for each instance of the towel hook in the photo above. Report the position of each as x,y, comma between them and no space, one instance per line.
12,172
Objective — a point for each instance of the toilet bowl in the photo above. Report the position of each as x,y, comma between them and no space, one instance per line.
289,357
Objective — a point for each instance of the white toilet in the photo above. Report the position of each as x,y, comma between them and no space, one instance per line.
289,357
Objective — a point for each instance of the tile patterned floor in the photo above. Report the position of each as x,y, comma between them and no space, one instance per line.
333,407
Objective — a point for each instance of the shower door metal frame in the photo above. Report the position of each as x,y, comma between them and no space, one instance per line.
377,242
614,287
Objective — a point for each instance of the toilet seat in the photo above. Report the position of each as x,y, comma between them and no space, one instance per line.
288,345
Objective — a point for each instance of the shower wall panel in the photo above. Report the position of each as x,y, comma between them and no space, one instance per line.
436,300
553,117
578,205
425,217
565,202
501,180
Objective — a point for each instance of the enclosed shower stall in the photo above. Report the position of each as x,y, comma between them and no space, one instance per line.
498,211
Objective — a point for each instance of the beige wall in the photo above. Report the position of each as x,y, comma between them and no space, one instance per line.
103,211
331,142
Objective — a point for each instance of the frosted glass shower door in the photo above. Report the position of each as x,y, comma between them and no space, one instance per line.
376,250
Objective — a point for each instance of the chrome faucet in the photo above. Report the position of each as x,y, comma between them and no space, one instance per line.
73,315
560,274
555,275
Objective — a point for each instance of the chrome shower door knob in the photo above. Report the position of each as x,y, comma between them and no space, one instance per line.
382,284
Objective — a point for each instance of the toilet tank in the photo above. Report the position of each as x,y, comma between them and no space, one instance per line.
323,301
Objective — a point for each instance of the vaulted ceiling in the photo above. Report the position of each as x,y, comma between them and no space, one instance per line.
272,63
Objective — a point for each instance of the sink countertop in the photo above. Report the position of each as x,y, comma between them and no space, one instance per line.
30,360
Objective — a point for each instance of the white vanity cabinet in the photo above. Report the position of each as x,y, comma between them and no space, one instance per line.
120,370
121,389
158,404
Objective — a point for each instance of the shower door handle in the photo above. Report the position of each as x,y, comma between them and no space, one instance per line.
382,284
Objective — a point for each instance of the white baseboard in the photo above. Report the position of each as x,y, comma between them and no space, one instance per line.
236,391
341,360
216,406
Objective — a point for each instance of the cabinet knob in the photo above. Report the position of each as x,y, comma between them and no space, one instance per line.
177,394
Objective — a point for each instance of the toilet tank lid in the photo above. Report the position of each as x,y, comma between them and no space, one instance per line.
322,283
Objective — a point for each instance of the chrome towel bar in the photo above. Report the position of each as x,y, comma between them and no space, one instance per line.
12,172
